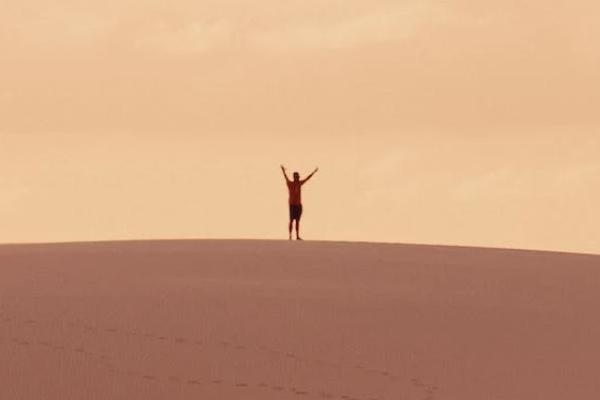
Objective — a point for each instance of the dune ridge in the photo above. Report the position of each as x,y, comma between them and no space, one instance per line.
229,319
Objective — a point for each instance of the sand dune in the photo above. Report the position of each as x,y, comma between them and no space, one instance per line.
290,320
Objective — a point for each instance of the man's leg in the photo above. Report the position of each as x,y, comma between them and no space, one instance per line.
290,228
298,229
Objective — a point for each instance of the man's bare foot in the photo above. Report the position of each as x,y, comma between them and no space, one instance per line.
299,238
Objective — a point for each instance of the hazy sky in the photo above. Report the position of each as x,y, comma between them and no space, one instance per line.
454,122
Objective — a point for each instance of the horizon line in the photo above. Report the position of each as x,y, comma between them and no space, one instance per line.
320,241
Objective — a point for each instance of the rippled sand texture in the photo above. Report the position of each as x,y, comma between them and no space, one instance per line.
290,320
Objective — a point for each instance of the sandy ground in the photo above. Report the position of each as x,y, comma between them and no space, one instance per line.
290,320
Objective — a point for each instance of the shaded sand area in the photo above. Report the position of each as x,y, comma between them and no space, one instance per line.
289,320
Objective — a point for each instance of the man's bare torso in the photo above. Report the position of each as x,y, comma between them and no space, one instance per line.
295,191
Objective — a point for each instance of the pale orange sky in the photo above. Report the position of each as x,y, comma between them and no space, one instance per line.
454,122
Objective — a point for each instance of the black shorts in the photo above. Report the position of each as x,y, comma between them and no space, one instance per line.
295,211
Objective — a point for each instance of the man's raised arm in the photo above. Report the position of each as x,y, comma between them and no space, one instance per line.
310,176
284,174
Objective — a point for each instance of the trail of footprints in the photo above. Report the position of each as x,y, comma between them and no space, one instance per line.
429,391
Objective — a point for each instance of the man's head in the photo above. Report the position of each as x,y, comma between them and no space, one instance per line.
296,176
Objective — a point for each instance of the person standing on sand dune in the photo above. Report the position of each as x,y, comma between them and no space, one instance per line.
295,199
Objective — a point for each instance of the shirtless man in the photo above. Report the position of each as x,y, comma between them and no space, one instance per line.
295,199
